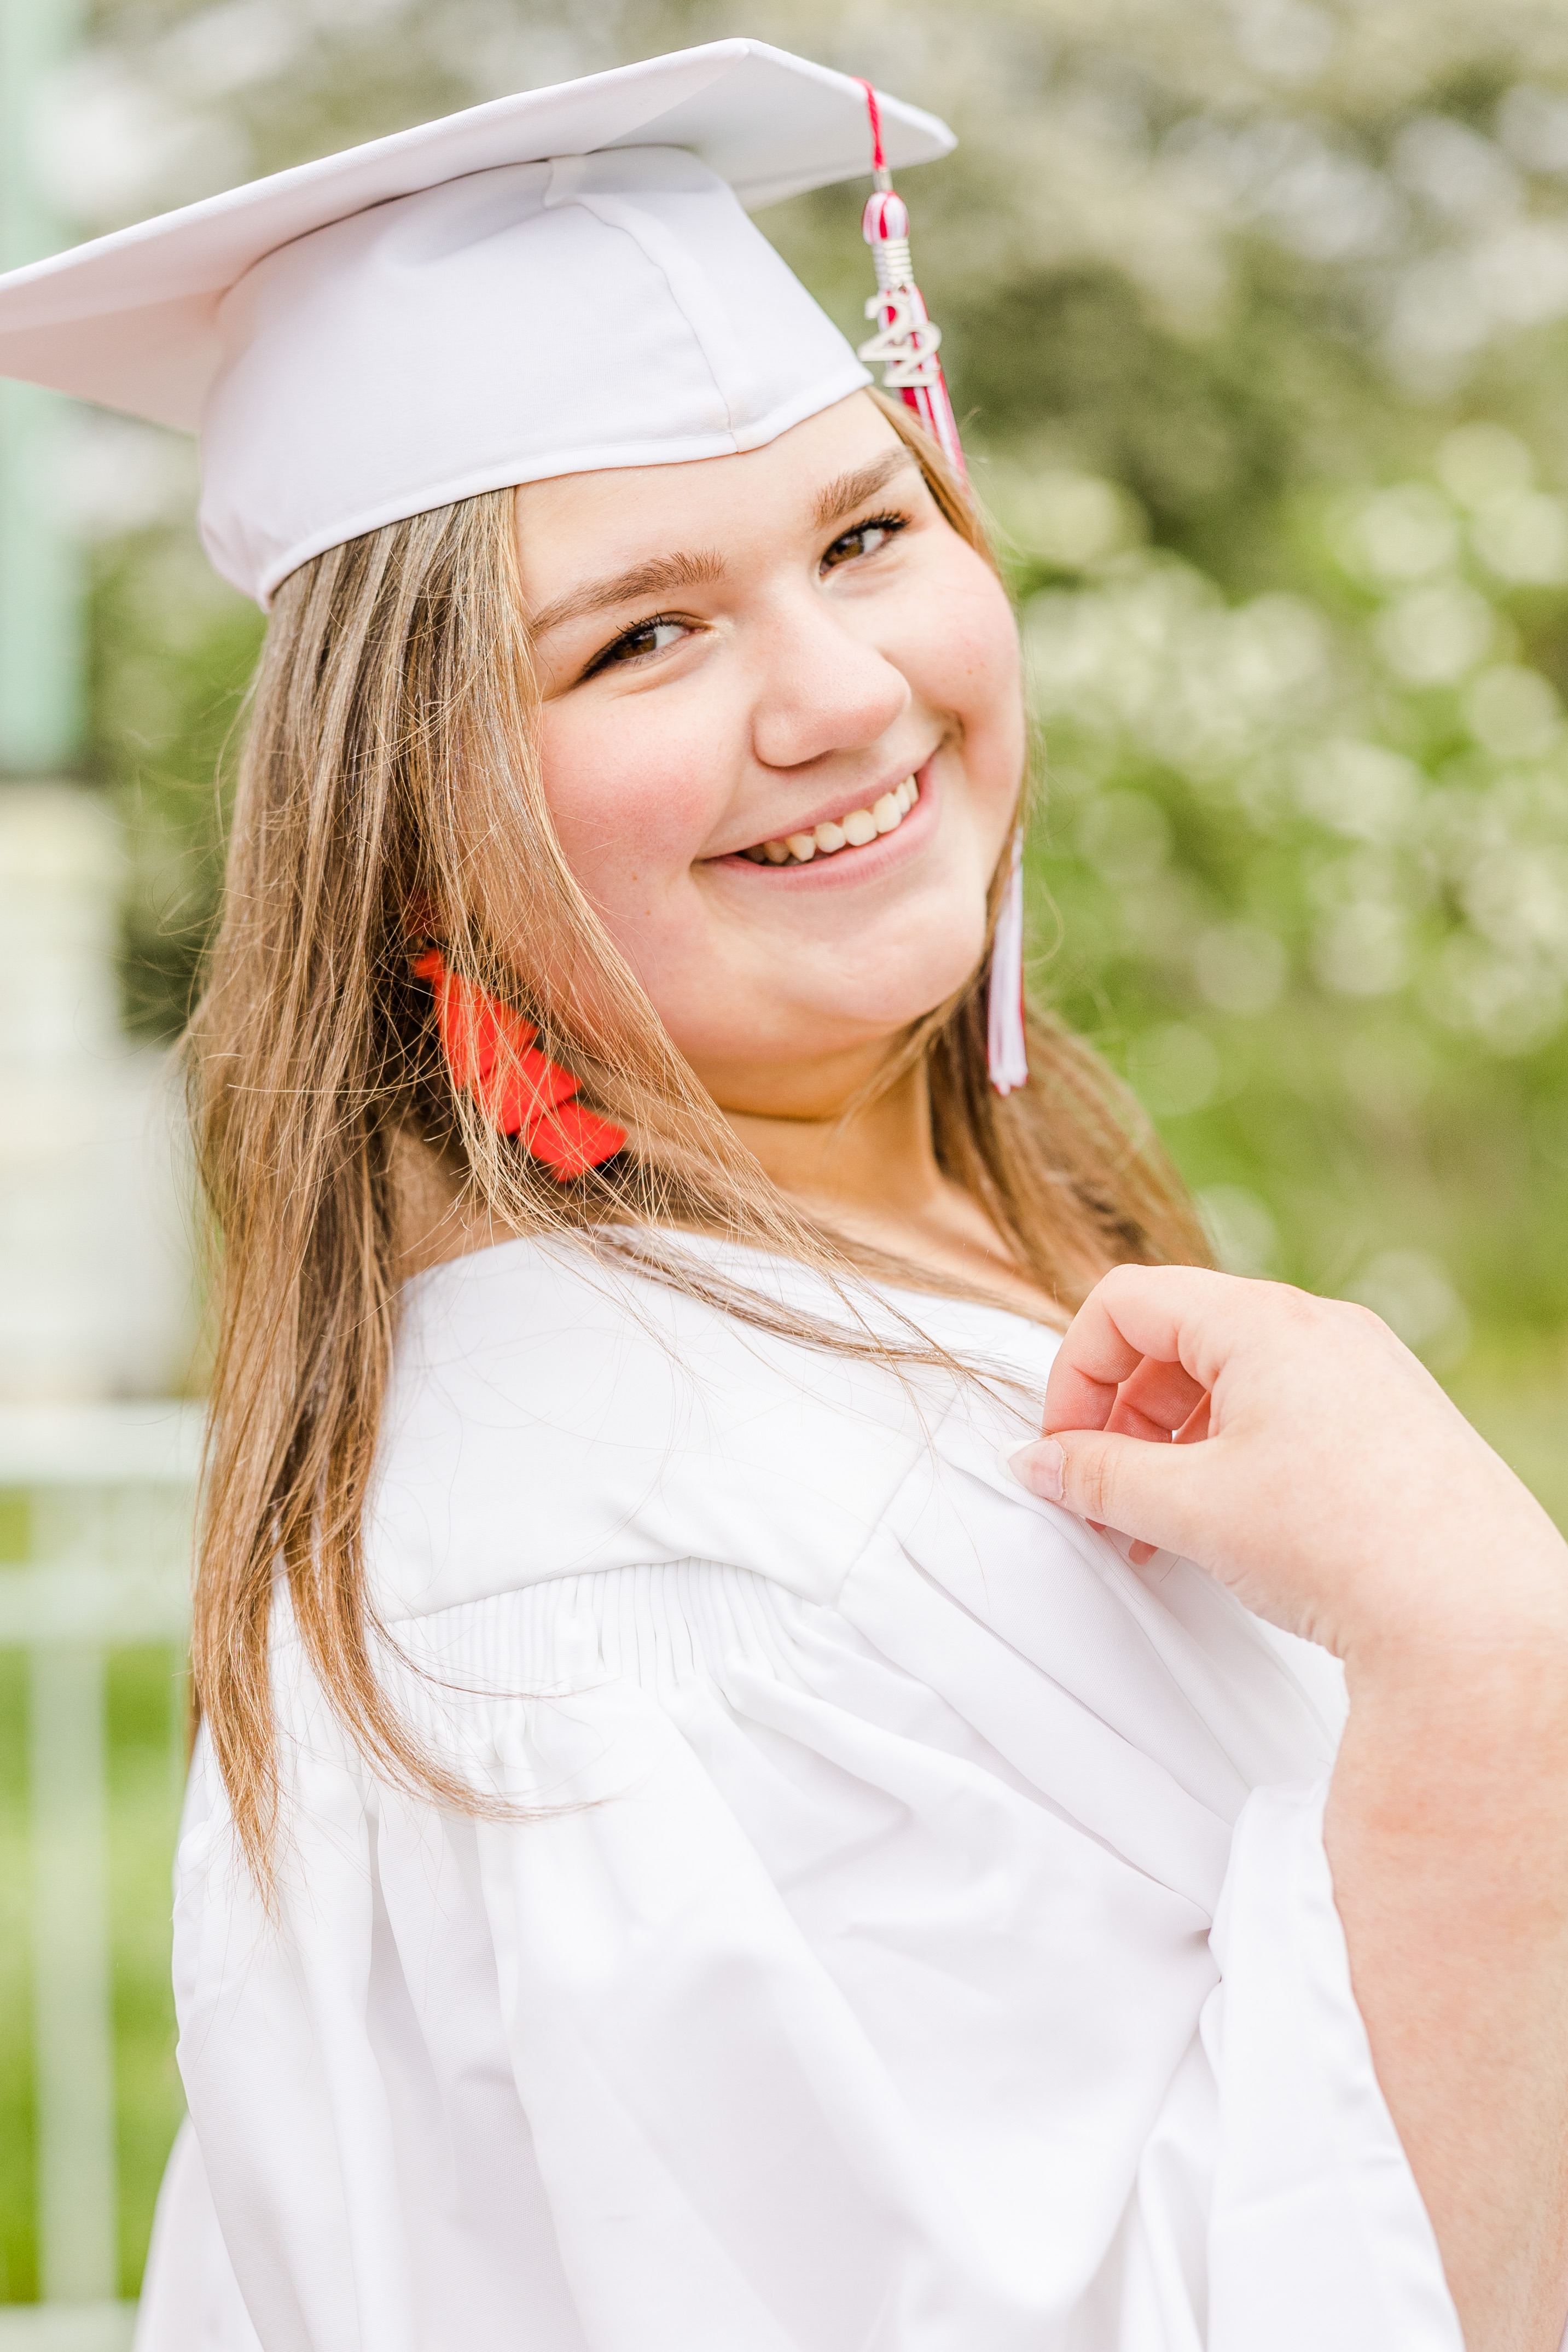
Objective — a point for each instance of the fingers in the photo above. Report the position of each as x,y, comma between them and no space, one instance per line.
1153,1493
1126,1420
1185,1319
1133,1313
1195,1428
1154,1399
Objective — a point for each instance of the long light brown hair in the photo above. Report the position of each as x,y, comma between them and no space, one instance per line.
390,771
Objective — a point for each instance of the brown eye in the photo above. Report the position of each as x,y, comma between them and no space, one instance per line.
865,539
648,637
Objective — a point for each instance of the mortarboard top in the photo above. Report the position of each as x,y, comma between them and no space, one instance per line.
551,283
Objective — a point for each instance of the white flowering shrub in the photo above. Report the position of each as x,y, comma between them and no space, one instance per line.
1306,855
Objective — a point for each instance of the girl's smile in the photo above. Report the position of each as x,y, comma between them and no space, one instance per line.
849,845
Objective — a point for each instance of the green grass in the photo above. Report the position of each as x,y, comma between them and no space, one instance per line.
145,1724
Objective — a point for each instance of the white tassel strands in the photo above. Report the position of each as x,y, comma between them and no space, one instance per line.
1007,1054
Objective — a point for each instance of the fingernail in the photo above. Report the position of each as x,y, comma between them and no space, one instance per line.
1041,1468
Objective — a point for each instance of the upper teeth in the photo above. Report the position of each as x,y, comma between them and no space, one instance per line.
861,825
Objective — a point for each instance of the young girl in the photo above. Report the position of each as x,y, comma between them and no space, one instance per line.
696,1840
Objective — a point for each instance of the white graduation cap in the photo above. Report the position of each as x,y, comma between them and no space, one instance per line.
554,283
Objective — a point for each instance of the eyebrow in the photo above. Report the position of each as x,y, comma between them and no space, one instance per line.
658,576
661,575
851,490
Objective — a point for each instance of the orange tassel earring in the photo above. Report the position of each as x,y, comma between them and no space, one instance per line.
491,1051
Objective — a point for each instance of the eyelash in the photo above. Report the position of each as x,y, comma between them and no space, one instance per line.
605,658
892,523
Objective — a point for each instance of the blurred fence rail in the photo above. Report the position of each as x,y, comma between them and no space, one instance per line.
103,1496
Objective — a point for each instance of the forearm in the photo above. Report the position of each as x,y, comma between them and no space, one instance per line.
1448,1837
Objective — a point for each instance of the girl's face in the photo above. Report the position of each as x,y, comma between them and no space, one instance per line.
782,741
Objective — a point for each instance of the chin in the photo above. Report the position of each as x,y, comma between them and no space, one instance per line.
903,985
790,1028
852,1019
816,997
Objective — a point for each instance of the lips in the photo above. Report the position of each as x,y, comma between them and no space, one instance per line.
856,829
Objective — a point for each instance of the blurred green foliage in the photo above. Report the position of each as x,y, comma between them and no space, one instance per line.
172,650
1309,854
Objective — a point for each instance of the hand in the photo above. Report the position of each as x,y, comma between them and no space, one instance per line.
1318,1470
1324,1478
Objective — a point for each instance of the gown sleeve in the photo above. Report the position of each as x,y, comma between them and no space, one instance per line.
1317,2231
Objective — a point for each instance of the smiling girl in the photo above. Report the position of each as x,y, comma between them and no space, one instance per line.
698,1840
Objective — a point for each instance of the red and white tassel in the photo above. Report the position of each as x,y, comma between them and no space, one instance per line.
906,346
906,343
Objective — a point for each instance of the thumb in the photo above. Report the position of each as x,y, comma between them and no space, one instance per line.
1150,1492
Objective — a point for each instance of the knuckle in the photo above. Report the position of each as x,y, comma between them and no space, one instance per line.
1332,1325
1347,1318
1300,1309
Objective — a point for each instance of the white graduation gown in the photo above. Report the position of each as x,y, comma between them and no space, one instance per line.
923,1942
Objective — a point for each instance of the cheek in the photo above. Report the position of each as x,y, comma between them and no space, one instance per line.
631,799
961,654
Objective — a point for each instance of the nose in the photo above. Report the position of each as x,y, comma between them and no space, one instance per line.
821,687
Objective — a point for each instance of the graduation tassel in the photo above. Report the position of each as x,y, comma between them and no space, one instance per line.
906,346
906,343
